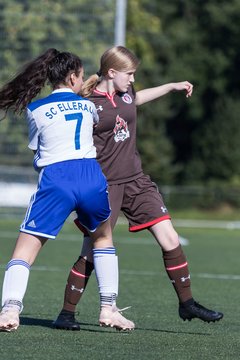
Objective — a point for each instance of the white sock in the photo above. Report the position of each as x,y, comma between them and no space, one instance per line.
15,283
106,269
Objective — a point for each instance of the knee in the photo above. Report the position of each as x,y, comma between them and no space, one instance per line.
166,236
172,240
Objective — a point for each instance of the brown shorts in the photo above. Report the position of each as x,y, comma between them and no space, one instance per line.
140,201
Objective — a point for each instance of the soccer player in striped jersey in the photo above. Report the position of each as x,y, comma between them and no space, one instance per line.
70,179
130,190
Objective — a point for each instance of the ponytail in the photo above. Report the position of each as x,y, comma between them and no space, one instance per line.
18,92
90,84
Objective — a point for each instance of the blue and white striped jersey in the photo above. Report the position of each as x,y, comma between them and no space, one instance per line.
61,127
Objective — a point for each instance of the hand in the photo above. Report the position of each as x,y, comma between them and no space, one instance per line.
184,85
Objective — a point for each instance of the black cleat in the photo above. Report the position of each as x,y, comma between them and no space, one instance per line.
66,321
195,310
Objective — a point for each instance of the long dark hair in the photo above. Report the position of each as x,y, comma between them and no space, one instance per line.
52,65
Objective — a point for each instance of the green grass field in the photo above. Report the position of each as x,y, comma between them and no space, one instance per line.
213,256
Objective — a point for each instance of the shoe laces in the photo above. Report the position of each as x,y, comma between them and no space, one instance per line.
123,309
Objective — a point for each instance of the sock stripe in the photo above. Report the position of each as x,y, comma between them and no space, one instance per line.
13,304
14,262
108,299
79,274
177,267
108,251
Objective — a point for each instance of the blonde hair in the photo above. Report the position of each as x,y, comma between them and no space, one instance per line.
118,58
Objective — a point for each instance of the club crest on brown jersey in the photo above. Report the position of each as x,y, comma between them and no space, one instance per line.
127,98
120,130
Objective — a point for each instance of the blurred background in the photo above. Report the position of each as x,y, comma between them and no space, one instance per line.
190,147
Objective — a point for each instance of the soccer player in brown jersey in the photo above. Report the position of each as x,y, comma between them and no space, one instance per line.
130,190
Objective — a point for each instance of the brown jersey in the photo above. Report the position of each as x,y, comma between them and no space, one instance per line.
115,136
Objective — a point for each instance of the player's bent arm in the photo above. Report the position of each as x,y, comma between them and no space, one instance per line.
146,95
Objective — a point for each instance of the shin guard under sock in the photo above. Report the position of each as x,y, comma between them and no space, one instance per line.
76,283
177,269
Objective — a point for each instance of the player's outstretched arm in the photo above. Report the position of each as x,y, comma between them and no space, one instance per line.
150,94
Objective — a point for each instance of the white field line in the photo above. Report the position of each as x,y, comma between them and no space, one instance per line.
142,273
199,275
207,224
201,224
73,238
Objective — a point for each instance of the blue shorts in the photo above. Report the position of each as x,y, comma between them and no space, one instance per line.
64,187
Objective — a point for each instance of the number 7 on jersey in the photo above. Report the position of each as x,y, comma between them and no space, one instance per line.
78,117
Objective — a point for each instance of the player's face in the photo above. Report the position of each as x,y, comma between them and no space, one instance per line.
123,79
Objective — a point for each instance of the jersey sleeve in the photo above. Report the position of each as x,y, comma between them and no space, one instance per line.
32,131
